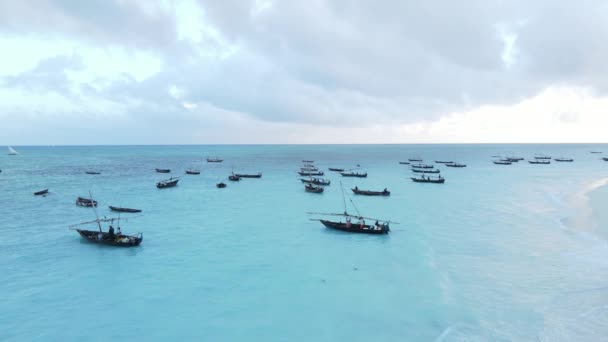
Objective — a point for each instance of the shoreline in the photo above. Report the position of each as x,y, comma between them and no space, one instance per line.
587,205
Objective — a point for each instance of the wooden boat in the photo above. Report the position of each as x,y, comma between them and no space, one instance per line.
443,162
539,161
439,180
193,172
415,159
316,181
314,189
514,159
86,202
167,183
354,174
109,238
163,170
385,192
234,178
564,160
422,166
425,171
308,161
309,169
356,227
502,162
336,169
595,152
244,175
41,192
455,165
404,163
92,172
311,173
124,210
221,185
541,157
214,160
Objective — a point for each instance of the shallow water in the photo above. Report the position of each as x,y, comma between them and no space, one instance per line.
483,257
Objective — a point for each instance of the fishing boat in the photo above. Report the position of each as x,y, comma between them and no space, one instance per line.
425,171
41,192
443,162
11,151
309,169
336,169
415,159
308,161
595,152
354,174
384,192
167,183
542,157
124,210
163,170
422,166
234,178
86,202
214,160
193,172
316,181
245,175
564,160
502,162
109,238
423,179
456,165
221,185
314,189
514,159
92,172
311,173
404,162
540,161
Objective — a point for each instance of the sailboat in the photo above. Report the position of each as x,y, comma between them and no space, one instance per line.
358,227
12,152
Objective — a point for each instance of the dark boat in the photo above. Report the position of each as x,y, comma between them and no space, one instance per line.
336,169
354,174
564,160
316,181
193,172
314,189
502,162
124,210
455,165
311,173
539,161
422,166
163,170
356,227
41,192
309,169
92,172
167,183
439,180
415,159
244,175
542,157
514,159
234,178
443,162
117,240
596,152
425,171
221,185
86,202
308,161
605,159
214,160
404,163
385,192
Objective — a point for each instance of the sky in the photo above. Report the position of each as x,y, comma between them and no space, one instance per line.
287,72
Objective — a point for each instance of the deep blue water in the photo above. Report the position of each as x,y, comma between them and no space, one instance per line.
489,255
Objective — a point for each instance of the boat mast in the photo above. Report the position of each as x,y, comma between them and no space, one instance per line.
95,211
343,198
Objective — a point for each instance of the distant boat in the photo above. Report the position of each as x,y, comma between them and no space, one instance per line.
12,152
221,185
539,161
309,169
41,192
335,169
86,202
564,160
308,161
514,159
596,152
311,173
316,181
163,170
193,172
404,163
542,157
438,180
245,175
425,171
605,159
92,172
354,174
502,162
313,189
167,183
415,159
455,165
385,192
214,160
443,162
422,166
125,210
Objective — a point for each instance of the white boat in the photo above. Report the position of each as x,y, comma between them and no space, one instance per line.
12,152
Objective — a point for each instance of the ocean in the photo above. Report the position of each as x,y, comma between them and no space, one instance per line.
497,253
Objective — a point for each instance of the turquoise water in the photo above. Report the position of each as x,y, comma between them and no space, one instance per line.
496,253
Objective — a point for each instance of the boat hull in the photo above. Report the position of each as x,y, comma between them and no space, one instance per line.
105,238
355,228
241,175
434,181
358,175
371,193
41,192
124,210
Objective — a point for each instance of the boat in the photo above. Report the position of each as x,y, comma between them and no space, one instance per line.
309,169
234,178
336,169
163,170
221,185
313,189
540,161
502,162
456,165
311,173
404,162
41,192
308,165
167,183
12,152
124,210
542,157
245,175
514,159
443,162
422,166
425,171
316,181
109,238
605,159
354,174
193,172
423,179
596,152
92,172
308,161
214,160
415,159
86,202
385,192
564,160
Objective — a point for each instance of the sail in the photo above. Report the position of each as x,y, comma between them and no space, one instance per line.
11,151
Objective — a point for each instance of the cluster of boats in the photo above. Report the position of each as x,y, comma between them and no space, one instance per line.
422,171
539,159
